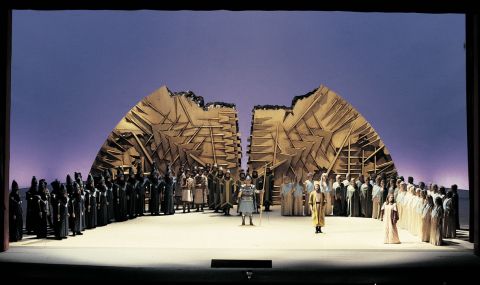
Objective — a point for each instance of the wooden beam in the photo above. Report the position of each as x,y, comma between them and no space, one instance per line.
340,150
213,146
275,145
297,119
375,152
180,99
143,148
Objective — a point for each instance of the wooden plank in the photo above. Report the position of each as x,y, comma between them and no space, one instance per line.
340,150
143,148
375,152
299,118
213,146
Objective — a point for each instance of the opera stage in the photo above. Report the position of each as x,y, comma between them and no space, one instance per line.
180,248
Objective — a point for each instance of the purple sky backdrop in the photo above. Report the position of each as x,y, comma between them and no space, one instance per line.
75,74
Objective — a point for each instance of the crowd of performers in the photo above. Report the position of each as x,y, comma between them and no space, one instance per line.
73,206
431,213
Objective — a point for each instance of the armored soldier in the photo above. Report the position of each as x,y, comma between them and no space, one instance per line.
239,183
199,192
247,199
187,191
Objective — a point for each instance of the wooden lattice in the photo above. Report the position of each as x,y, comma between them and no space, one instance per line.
173,128
320,132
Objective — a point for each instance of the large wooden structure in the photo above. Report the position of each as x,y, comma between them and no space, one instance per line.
173,128
320,132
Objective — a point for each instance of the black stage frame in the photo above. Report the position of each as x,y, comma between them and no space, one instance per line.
472,45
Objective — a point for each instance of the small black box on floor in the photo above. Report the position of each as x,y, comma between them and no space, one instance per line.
240,263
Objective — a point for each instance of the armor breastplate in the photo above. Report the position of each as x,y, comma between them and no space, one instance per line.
247,192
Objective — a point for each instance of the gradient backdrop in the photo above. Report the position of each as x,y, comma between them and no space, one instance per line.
75,74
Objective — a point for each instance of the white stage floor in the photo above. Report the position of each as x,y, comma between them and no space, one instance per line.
192,240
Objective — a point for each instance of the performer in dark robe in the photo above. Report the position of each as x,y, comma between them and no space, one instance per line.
353,199
218,189
449,229
91,203
109,194
102,203
55,200
131,185
75,210
200,188
454,189
48,203
154,203
212,186
168,203
15,214
69,185
436,224
345,184
42,208
180,186
259,186
142,186
32,205
81,186
268,187
119,197
228,191
369,196
63,210
363,195
338,196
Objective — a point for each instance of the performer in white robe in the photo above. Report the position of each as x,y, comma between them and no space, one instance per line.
449,223
426,219
376,197
308,188
436,235
286,195
389,215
